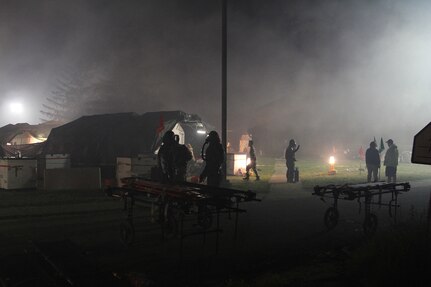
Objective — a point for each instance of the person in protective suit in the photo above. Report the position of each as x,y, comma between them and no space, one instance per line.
290,160
391,161
214,158
252,164
372,160
165,157
182,155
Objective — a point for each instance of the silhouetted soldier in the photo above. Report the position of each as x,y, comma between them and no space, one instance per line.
214,157
165,157
391,161
182,155
252,164
290,160
372,160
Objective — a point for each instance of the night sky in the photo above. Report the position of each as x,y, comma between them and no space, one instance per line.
308,69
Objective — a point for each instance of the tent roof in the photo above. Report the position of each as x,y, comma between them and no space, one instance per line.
8,132
100,139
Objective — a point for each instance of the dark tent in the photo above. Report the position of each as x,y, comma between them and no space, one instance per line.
98,140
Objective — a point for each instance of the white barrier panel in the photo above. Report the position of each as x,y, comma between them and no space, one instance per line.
142,165
18,173
57,161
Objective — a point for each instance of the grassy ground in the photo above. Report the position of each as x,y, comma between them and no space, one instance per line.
396,257
315,172
354,171
266,168
43,215
25,203
399,256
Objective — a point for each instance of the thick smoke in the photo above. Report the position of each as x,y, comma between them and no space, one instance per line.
335,73
323,72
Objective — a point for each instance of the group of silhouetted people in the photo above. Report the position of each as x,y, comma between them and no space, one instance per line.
173,158
372,160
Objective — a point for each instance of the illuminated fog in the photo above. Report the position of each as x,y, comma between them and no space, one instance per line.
322,72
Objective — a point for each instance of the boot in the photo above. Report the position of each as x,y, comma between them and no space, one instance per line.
247,176
257,178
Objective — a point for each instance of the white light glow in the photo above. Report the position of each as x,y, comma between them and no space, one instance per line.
201,132
16,108
240,163
331,159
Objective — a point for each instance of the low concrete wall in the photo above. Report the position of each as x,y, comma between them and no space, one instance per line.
72,178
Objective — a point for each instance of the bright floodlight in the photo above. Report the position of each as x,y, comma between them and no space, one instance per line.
16,108
202,132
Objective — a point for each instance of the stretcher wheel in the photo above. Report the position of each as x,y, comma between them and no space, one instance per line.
205,217
370,224
331,217
127,232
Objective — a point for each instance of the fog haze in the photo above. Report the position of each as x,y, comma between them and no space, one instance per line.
321,72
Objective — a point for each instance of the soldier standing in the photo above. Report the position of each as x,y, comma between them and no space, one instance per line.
214,157
290,160
391,161
182,155
165,157
372,160
252,164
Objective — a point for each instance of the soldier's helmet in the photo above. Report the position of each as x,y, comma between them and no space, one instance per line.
292,142
213,137
168,137
373,144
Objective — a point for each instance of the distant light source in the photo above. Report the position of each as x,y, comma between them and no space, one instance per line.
332,170
201,132
331,160
16,108
237,163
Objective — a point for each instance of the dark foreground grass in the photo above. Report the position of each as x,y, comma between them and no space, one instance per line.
398,256
22,203
389,258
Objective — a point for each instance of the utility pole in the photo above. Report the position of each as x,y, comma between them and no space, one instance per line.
224,83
